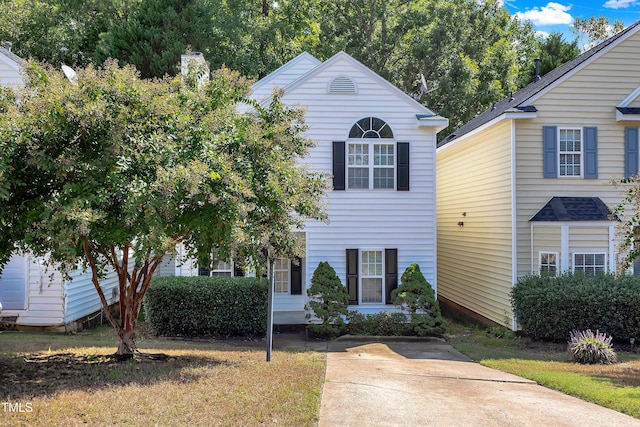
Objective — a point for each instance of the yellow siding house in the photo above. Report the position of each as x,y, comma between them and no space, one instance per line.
525,187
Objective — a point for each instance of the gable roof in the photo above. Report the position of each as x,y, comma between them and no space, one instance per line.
19,62
573,209
518,102
423,114
304,57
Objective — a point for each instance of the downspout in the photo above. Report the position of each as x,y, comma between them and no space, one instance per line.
514,219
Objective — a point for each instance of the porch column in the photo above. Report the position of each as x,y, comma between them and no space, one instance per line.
564,248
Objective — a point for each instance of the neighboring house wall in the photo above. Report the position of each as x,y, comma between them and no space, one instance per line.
582,95
81,298
10,69
475,188
585,99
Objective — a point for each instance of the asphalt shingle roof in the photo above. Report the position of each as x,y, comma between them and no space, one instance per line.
517,100
573,209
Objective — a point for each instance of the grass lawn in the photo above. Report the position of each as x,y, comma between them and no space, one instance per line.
67,380
613,386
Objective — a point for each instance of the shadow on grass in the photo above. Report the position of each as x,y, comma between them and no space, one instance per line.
23,377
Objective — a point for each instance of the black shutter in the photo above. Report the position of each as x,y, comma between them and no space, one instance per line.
402,171
296,276
237,270
352,275
204,271
338,165
390,273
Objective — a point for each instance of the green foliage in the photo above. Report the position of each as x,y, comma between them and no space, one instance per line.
588,348
555,51
550,307
596,29
382,324
115,172
415,296
207,306
328,301
157,33
59,31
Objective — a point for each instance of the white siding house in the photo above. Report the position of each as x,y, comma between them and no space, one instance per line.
31,294
525,187
379,145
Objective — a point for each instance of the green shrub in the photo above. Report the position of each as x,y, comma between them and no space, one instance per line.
207,306
587,347
383,323
328,300
415,296
550,307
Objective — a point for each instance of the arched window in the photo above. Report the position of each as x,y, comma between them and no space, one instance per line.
370,127
371,162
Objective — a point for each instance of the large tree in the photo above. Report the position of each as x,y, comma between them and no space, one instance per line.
60,31
596,29
113,172
471,53
153,37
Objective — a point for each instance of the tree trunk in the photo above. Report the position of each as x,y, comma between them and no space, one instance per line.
126,344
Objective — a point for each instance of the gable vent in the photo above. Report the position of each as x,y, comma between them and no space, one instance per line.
342,85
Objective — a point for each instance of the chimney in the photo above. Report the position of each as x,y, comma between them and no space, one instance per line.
536,76
7,45
193,64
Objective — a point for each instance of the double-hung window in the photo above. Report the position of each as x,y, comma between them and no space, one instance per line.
570,151
590,263
372,274
548,263
371,268
371,156
281,275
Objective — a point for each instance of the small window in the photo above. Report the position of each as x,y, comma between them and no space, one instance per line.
222,268
281,275
570,152
372,275
590,264
548,263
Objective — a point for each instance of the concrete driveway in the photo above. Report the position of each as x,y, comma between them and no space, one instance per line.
428,383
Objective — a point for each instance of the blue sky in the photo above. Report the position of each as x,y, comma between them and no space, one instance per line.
550,16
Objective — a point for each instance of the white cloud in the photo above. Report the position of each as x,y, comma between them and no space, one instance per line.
551,14
542,34
620,4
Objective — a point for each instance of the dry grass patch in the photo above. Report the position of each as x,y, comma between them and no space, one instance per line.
206,385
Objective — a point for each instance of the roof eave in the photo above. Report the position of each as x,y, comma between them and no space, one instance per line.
435,121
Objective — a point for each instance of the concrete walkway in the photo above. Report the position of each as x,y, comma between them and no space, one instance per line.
428,383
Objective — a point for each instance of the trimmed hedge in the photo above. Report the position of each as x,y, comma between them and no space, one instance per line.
207,306
551,307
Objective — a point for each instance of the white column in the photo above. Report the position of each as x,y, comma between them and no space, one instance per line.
564,248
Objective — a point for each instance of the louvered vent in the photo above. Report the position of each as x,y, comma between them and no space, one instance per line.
342,85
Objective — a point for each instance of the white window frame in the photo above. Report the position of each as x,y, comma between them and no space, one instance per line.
221,268
556,265
362,276
277,269
604,265
371,167
579,153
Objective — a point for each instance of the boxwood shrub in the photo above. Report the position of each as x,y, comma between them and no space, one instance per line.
551,307
207,306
